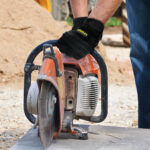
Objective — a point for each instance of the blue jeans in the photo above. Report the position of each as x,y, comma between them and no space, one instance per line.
139,27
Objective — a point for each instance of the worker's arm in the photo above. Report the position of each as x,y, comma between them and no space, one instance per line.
104,9
80,12
79,8
82,40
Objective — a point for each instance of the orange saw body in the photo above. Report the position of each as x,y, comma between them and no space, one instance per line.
65,89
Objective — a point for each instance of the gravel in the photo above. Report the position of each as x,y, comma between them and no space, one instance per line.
122,106
13,124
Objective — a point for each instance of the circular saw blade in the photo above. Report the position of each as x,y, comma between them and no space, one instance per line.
46,113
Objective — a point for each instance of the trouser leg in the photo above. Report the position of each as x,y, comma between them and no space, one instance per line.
139,26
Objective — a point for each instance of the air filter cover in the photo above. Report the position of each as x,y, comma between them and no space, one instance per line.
87,95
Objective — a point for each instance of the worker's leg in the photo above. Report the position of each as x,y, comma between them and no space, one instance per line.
139,26
79,8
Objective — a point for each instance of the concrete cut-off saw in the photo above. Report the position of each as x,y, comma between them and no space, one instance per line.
65,89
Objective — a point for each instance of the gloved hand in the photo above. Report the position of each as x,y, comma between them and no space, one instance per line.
81,41
78,22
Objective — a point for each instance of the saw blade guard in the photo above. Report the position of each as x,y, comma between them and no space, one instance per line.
52,71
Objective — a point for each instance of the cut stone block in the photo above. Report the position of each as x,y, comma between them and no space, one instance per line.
100,138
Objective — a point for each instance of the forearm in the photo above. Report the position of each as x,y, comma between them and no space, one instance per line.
104,9
79,8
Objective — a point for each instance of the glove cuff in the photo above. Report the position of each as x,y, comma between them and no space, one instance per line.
93,27
94,24
78,22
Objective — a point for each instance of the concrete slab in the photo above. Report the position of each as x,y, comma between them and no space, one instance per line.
100,138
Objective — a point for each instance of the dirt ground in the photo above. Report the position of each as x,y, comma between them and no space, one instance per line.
24,25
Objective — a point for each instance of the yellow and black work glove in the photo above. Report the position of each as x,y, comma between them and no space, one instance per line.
81,41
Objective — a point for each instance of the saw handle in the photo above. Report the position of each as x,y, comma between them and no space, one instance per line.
29,67
104,90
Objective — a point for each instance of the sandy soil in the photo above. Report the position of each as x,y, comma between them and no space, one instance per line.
24,25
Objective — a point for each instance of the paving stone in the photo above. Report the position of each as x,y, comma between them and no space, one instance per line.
100,138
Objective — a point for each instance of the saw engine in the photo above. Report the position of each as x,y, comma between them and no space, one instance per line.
82,94
66,89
